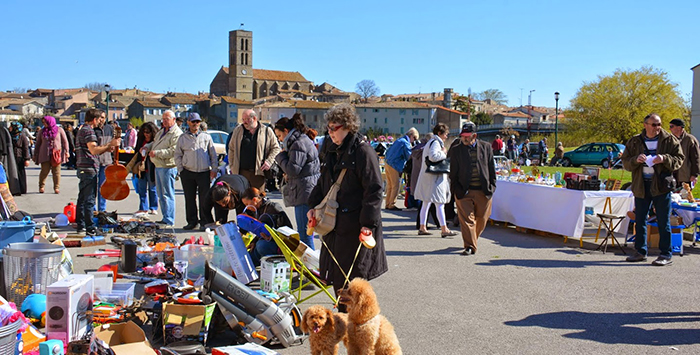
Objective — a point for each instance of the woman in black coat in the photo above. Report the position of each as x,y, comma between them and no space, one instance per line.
359,199
20,145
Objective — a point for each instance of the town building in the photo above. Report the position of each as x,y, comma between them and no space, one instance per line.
695,103
148,110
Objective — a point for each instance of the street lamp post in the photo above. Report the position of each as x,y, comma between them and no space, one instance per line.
556,118
107,87
529,115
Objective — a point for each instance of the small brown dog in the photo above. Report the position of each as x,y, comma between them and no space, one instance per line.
326,329
368,331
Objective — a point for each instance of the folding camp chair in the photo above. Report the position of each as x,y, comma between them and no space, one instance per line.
301,269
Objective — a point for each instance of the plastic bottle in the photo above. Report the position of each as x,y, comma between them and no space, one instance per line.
69,211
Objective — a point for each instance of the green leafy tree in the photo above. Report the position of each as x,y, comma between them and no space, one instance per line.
613,107
136,121
493,94
482,118
461,103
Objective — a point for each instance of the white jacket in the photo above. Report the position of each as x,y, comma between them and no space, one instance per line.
433,187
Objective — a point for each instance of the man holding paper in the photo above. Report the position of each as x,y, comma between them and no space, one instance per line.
652,156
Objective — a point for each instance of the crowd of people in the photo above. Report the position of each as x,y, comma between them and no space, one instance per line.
450,179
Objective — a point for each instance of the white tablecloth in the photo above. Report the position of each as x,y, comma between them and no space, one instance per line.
555,210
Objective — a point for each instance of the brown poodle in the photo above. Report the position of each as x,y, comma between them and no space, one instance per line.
368,331
325,329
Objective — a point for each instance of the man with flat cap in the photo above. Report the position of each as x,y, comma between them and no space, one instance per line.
197,163
473,182
689,171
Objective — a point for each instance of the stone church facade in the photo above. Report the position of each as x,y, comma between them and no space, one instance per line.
241,81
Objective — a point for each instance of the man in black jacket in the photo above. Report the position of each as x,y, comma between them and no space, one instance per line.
473,182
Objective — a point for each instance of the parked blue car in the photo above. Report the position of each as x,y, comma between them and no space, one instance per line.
593,154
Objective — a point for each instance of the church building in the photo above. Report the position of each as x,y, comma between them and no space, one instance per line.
241,81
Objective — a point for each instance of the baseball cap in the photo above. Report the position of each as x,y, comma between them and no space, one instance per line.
677,122
468,128
193,116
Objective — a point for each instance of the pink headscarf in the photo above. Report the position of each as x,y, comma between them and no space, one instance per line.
50,129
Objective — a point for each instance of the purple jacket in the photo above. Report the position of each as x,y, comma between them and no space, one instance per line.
42,148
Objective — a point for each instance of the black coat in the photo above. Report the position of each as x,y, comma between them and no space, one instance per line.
359,199
461,169
7,158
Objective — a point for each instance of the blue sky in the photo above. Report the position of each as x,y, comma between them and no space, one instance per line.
404,46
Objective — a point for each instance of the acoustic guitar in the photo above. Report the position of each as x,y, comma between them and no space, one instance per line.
115,187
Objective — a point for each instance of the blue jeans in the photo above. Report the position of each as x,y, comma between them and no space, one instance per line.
101,202
302,222
263,248
165,187
662,205
87,188
147,194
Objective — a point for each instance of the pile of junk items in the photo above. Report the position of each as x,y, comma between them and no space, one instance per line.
159,296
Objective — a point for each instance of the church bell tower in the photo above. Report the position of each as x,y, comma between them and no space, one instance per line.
240,75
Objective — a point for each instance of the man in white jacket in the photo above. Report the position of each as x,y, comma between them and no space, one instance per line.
197,163
163,157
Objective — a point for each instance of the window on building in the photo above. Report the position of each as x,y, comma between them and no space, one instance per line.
365,110
242,44
375,110
148,111
364,120
402,111
231,114
386,120
414,112
375,120
401,120
242,59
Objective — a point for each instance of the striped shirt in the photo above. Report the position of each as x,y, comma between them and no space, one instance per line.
651,144
84,160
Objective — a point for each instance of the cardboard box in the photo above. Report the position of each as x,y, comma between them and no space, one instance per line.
68,304
308,256
125,338
653,236
237,254
186,322
275,274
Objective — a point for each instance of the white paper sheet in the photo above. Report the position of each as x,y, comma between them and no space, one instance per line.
650,160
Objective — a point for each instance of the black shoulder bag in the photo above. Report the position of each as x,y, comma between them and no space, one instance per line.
438,167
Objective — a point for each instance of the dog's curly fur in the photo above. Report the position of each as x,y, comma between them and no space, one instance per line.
368,331
326,329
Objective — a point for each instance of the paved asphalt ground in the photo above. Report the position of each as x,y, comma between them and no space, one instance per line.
520,294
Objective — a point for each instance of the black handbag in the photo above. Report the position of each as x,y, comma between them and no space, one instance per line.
437,167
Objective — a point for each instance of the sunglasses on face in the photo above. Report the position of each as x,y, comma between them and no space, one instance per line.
654,124
333,129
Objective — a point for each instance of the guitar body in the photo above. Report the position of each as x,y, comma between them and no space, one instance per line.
115,187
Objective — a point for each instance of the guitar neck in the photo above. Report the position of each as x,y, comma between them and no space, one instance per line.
117,134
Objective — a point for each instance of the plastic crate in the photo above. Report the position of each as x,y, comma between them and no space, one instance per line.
16,231
122,294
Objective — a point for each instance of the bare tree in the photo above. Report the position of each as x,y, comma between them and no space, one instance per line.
493,94
366,89
21,90
95,86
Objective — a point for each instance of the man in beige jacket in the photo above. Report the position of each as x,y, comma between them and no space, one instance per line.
163,157
252,150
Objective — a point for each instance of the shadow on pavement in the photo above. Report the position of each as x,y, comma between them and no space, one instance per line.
619,328
549,264
445,251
